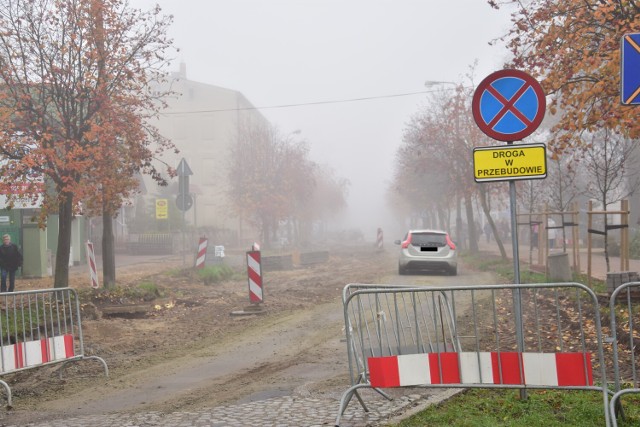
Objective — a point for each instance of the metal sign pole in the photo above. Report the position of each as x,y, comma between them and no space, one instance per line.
517,300
184,262
184,200
523,105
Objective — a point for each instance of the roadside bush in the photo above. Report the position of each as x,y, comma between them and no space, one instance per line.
215,273
148,291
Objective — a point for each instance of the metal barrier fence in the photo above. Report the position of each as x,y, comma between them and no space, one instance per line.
623,336
39,328
151,244
467,337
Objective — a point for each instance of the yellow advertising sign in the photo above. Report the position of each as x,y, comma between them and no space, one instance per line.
511,162
162,209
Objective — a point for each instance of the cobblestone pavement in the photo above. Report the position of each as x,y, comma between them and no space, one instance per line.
276,412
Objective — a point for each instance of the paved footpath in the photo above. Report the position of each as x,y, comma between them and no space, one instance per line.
284,411
598,262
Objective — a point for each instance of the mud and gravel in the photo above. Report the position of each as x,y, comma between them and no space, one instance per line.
179,347
184,350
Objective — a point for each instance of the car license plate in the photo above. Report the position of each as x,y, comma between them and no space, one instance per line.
428,249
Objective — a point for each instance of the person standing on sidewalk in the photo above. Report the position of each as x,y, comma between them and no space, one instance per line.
10,261
487,231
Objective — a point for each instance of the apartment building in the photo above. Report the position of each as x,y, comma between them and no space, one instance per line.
203,122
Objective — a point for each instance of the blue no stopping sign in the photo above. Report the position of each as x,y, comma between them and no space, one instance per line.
508,105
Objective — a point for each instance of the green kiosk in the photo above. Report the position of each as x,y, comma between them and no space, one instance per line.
22,226
38,245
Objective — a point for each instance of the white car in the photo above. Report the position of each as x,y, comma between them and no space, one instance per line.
427,250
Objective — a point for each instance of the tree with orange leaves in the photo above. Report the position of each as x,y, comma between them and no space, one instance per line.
272,180
434,167
260,184
573,48
75,93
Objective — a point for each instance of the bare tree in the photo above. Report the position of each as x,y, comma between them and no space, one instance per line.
434,168
605,160
422,172
328,200
272,179
560,185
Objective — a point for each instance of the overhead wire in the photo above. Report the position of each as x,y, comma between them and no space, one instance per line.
304,104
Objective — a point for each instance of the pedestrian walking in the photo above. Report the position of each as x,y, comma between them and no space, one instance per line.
10,261
534,235
487,231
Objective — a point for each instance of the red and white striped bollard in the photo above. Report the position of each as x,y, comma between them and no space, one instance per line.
254,271
93,269
202,252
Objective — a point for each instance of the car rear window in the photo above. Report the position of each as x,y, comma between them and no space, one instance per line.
428,239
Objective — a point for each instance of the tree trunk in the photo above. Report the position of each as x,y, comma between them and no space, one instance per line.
442,222
606,242
65,216
460,237
108,252
492,224
473,233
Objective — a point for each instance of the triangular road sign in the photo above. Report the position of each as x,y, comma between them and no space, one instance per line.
183,168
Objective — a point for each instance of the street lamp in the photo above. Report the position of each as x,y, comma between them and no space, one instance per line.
460,237
289,137
430,83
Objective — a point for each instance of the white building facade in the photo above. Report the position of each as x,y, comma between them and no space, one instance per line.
203,122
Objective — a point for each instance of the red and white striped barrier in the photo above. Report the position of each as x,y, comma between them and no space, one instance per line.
529,369
254,271
28,343
34,353
202,252
93,269
379,239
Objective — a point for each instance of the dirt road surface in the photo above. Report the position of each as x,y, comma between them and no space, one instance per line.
187,352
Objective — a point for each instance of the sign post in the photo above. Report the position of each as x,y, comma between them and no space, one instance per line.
509,105
184,201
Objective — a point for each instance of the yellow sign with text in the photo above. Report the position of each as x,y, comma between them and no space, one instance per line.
162,209
523,161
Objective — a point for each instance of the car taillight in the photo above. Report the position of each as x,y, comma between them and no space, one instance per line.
450,243
407,242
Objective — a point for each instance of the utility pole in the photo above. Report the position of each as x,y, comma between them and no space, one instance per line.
184,201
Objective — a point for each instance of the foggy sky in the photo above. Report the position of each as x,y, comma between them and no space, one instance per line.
279,52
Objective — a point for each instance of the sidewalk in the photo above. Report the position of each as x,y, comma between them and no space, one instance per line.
598,262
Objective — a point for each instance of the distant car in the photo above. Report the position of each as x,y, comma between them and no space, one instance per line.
427,250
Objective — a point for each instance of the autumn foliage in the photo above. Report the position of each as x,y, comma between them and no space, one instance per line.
74,97
273,182
434,165
573,48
